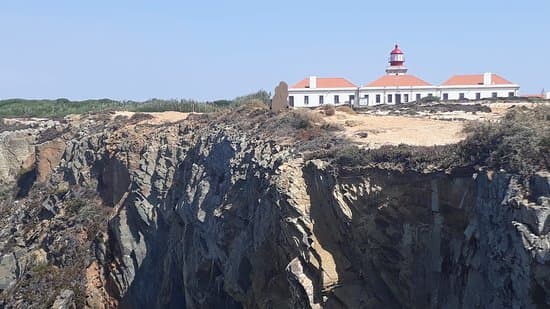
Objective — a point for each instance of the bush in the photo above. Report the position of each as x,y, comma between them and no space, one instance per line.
75,205
417,158
346,109
430,99
328,109
302,119
520,142
63,107
139,117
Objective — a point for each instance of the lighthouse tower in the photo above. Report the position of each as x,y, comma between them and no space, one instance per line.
397,62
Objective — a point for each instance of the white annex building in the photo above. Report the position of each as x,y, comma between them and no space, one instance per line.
397,86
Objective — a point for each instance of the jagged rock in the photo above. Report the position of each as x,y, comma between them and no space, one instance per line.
280,101
65,300
8,271
16,153
48,157
215,216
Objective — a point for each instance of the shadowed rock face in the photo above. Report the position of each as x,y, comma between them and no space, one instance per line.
213,217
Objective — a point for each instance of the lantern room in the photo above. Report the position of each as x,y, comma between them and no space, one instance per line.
397,62
397,58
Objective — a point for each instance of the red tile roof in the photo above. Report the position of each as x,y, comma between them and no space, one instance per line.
326,82
398,81
474,79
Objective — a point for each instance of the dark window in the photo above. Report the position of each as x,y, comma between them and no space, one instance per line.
306,100
351,98
321,99
406,98
390,98
377,98
461,96
336,99
418,97
366,96
478,96
445,96
430,95
291,100
511,94
494,95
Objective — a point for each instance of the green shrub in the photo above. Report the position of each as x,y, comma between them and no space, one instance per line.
63,107
519,143
74,206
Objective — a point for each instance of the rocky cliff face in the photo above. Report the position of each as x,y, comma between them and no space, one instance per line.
205,214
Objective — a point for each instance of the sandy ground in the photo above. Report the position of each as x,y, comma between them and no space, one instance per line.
160,118
395,130
420,130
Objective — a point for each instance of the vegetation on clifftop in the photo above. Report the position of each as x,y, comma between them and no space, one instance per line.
63,107
518,143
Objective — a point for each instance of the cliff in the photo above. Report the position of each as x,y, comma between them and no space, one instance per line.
213,212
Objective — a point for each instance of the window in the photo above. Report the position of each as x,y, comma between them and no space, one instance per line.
366,96
377,98
511,94
494,95
351,98
430,95
321,100
291,100
418,97
390,98
478,96
445,97
461,96
336,99
306,100
406,98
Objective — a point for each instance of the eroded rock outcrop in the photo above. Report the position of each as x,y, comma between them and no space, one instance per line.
206,214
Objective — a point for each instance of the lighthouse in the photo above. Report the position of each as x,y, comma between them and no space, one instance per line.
397,62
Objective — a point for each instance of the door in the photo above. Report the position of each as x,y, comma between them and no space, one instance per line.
397,99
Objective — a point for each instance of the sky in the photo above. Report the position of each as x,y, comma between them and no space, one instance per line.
207,50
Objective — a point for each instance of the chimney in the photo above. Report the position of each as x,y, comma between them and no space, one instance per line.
487,79
313,82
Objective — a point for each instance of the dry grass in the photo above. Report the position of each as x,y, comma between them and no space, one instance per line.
346,109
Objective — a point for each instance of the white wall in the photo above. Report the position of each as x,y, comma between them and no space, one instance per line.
470,92
412,92
548,95
313,95
436,91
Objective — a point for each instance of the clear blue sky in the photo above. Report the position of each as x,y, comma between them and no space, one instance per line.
221,49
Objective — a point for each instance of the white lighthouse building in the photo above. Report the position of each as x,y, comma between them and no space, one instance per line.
397,86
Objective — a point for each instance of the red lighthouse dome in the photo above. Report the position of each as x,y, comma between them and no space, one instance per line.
397,58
